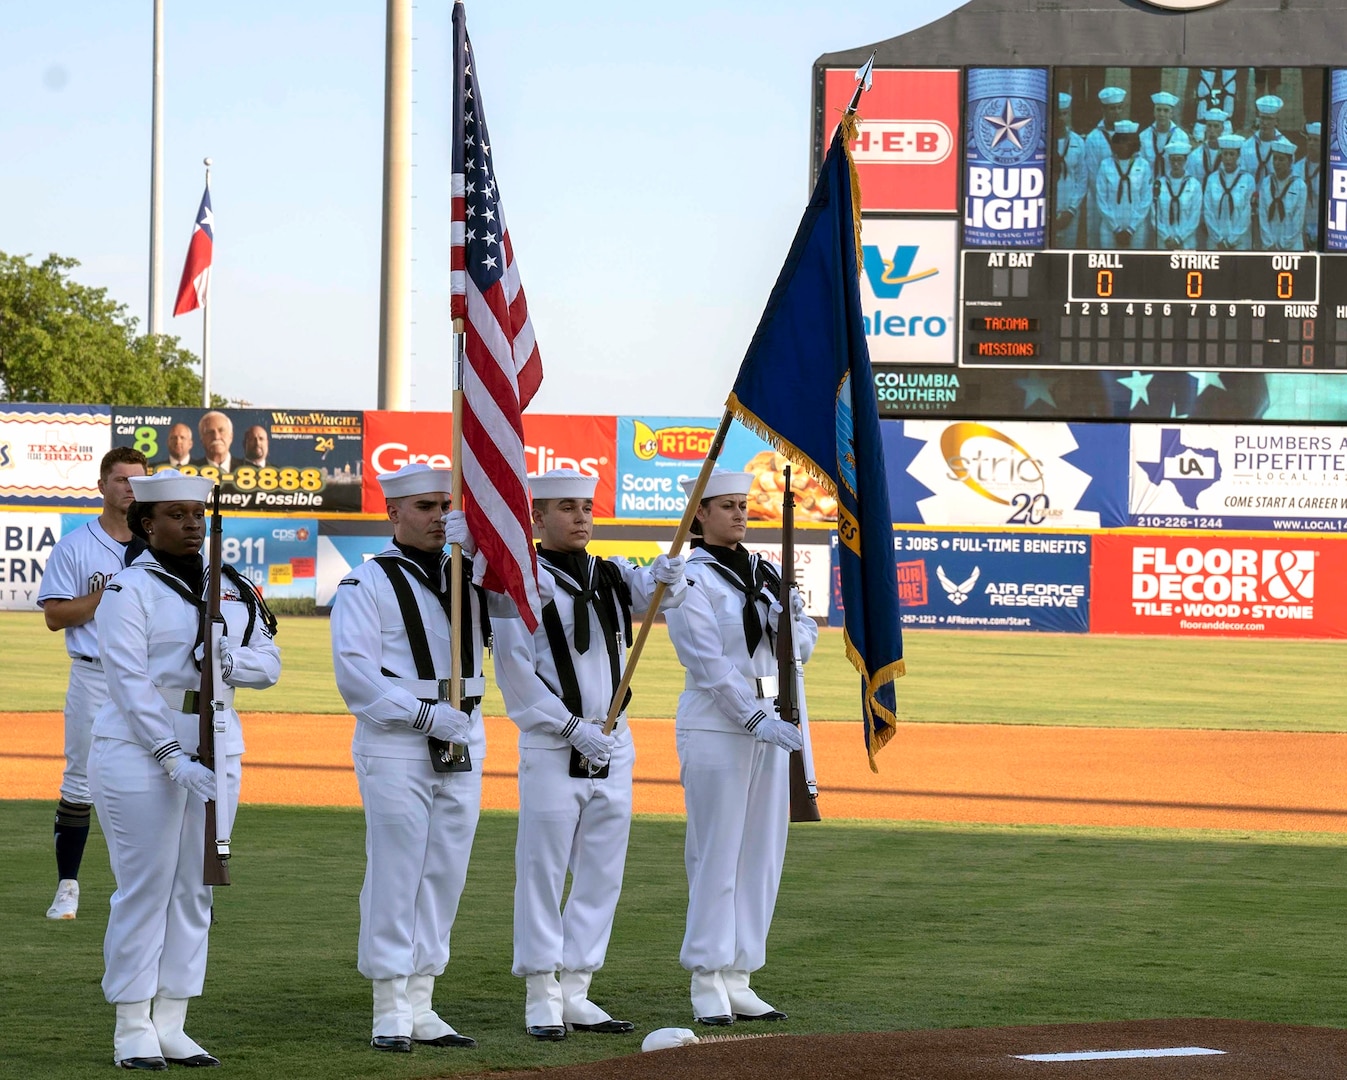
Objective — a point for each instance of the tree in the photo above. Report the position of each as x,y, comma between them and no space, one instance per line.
61,341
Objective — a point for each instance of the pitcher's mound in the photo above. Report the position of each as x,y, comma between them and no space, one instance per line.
1156,1049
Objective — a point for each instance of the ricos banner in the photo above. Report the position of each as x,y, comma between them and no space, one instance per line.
988,581
1202,586
585,443
49,454
265,459
1035,474
656,453
1283,479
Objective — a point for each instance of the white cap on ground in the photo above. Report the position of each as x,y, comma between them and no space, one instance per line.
668,1038
563,484
169,485
416,478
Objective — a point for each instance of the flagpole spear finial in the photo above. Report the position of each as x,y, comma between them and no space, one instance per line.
206,162
864,78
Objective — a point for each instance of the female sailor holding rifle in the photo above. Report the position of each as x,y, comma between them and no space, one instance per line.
733,751
148,788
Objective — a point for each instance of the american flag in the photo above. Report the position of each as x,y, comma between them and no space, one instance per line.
502,370
195,284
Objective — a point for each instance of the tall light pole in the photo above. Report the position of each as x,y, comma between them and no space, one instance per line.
395,268
155,321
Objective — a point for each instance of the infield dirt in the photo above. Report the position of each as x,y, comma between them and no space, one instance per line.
998,774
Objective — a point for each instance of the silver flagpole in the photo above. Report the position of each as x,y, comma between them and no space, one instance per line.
205,319
155,320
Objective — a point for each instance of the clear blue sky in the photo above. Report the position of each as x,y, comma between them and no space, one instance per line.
652,159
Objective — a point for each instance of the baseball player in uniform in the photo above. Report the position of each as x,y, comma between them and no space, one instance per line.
418,760
78,570
558,683
733,752
149,788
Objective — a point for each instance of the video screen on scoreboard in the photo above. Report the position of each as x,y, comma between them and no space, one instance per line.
1186,159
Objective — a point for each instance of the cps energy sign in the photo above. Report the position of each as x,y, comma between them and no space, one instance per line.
1200,586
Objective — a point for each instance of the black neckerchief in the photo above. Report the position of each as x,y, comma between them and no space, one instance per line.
1228,192
430,563
588,588
189,569
1124,178
748,574
1277,207
1174,197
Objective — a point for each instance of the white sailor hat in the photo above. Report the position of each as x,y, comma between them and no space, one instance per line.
563,484
416,478
1284,146
1314,129
1216,116
1269,105
169,485
1164,97
1231,142
721,482
1063,101
1177,147
1112,95
1125,127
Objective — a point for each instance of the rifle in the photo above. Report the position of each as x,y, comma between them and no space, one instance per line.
212,713
803,789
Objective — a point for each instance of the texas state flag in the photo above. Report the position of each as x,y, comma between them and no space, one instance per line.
195,284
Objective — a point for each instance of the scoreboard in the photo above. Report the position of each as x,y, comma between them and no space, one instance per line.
1224,311
1145,238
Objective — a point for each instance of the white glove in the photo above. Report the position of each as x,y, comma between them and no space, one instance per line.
449,724
226,657
796,609
779,733
192,775
592,743
667,569
456,531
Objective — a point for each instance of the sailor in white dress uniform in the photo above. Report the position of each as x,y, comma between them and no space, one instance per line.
1178,207
1283,203
1124,192
733,751
558,683
147,786
1227,202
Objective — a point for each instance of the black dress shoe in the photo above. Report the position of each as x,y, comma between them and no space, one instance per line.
399,1044
774,1014
547,1032
448,1040
196,1061
150,1064
606,1027
715,1021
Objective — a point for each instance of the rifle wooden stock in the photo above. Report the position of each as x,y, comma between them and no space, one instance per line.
803,802
215,870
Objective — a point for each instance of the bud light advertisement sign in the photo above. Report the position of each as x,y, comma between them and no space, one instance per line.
1335,222
1005,200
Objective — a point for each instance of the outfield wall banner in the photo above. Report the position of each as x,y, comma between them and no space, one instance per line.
265,459
583,443
49,454
338,554
1212,586
1006,145
987,581
908,290
279,557
26,540
905,151
1032,474
656,453
1281,479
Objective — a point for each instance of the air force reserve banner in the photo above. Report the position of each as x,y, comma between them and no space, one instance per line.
806,387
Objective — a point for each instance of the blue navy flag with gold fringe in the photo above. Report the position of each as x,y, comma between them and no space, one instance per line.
806,387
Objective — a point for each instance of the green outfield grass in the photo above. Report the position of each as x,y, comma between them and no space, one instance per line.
878,927
1063,679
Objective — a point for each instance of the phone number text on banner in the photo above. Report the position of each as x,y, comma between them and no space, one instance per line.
988,581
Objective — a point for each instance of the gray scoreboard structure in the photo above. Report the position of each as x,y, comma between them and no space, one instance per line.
1105,209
